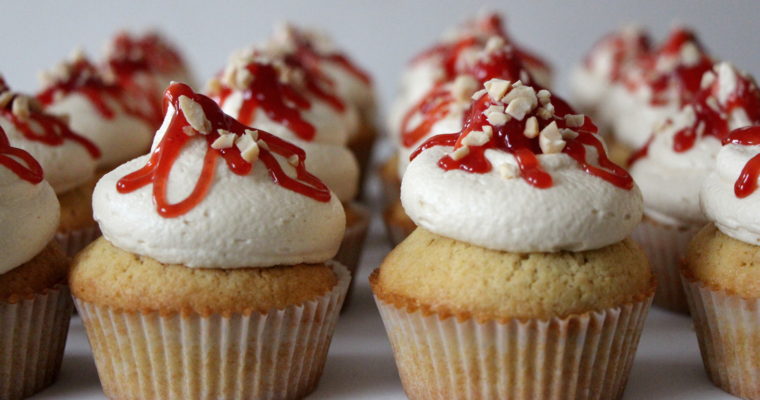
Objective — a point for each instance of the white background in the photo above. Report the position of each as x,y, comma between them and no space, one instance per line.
382,35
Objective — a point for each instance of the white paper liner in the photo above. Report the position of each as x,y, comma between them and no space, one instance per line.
32,339
275,355
728,329
666,248
73,242
586,356
352,246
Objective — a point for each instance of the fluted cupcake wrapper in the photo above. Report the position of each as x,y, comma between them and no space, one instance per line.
274,355
586,356
728,329
32,339
352,246
666,247
73,242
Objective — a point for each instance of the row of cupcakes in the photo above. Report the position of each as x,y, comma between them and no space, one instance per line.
218,238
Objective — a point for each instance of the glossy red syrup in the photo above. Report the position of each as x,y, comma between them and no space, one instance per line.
306,52
436,104
86,80
45,128
511,139
624,51
19,161
159,166
747,182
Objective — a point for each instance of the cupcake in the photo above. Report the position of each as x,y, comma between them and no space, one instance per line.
35,306
671,168
144,65
319,53
276,93
213,278
520,263
721,275
660,84
442,110
99,109
67,158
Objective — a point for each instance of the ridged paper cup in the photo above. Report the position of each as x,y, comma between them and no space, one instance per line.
666,246
32,339
587,356
352,246
728,329
275,355
73,242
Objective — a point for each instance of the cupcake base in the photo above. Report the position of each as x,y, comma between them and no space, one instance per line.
666,247
73,242
275,355
351,248
585,356
728,330
32,340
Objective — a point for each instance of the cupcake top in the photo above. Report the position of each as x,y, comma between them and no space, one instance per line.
442,109
215,193
729,193
99,109
67,158
525,174
29,210
279,95
679,155
607,63
319,53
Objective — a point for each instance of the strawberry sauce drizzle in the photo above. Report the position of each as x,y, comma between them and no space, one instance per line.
85,79
313,58
746,184
44,128
159,166
625,51
510,138
19,161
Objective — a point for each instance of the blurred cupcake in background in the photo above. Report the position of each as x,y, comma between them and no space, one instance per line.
99,109
273,91
215,260
721,275
68,160
521,254
671,167
35,305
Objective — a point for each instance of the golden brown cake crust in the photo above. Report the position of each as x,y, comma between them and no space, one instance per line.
452,278
42,272
388,171
395,215
724,263
106,275
76,207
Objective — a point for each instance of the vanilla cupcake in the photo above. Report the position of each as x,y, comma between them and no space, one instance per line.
99,109
656,88
67,158
721,275
522,243
671,168
277,94
216,256
35,306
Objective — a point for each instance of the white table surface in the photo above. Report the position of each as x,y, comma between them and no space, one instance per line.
360,363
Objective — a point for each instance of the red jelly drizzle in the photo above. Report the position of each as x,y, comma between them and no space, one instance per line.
510,138
84,78
28,169
624,51
158,168
434,106
306,52
747,182
45,128
274,97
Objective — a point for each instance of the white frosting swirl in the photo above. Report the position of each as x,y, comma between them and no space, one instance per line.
578,212
336,166
66,166
119,139
243,221
451,123
734,216
29,216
